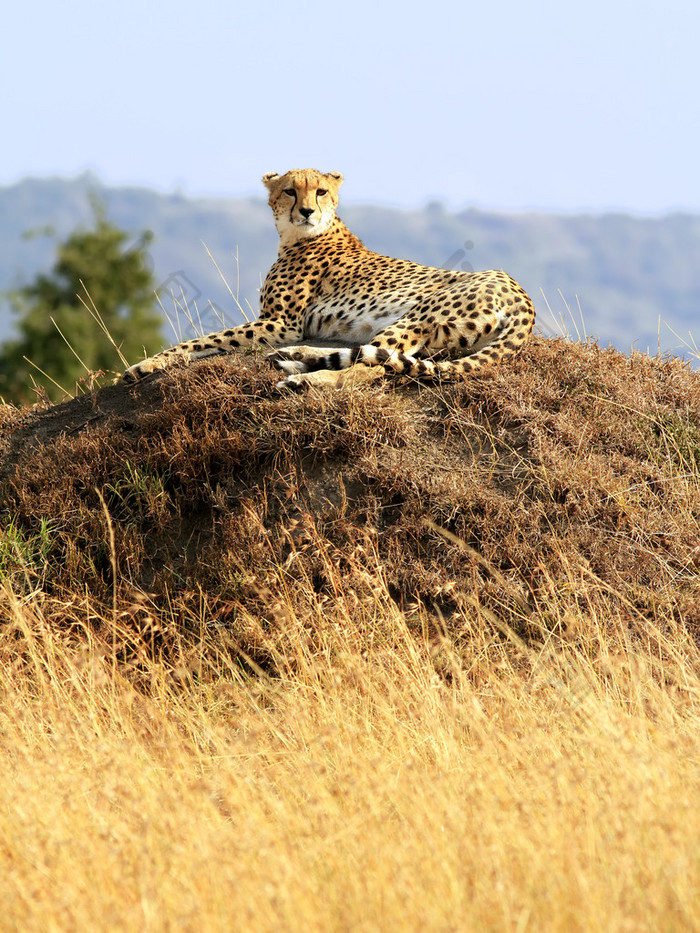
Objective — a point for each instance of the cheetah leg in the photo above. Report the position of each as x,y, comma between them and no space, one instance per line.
321,366
292,360
336,379
261,332
331,369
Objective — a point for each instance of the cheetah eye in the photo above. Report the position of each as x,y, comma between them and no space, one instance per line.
321,192
290,191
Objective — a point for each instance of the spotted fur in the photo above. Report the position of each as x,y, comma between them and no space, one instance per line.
393,315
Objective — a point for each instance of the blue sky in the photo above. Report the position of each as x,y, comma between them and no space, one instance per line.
501,105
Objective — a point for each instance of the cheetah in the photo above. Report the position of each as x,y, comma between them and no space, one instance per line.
388,315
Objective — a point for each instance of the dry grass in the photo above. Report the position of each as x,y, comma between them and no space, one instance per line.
406,659
556,789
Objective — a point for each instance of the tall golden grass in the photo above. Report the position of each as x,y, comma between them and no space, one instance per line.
393,659
379,782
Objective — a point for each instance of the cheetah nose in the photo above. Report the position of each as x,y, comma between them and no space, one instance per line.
306,212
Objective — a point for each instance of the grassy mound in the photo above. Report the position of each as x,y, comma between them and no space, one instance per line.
390,656
563,484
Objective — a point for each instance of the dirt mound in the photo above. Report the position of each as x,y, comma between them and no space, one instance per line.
565,482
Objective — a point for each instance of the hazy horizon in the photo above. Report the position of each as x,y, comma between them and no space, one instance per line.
179,192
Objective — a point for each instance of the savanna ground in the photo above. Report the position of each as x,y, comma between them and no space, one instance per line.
393,657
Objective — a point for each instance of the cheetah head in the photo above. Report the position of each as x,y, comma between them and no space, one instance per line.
303,202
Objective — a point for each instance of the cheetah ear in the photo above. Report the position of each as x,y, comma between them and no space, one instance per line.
270,179
336,176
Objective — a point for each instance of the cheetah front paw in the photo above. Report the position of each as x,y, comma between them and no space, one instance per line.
322,377
144,368
292,382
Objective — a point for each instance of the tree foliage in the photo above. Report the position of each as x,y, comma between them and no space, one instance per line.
91,313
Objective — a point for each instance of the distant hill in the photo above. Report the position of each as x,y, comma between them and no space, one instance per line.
626,272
